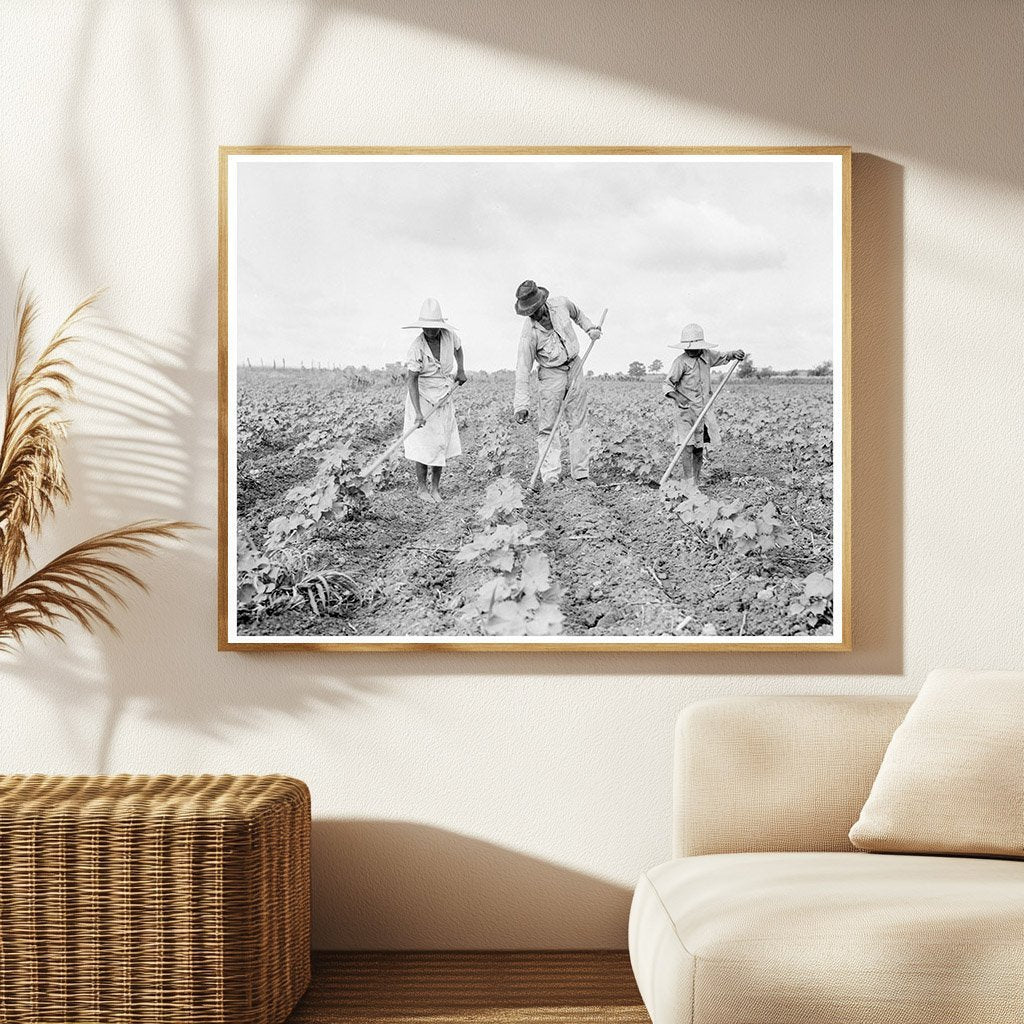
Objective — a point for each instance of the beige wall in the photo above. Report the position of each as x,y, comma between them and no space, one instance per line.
481,800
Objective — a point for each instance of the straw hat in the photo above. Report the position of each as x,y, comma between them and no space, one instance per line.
530,296
430,316
692,336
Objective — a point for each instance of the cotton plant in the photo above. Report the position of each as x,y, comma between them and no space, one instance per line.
521,596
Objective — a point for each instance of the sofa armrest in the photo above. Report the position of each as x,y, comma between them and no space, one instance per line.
760,774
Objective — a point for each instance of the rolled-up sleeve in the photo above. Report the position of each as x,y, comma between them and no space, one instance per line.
524,366
579,316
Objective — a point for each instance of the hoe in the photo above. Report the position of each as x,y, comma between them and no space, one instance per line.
696,423
381,459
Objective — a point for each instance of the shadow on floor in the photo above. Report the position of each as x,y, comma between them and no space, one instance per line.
404,885
457,988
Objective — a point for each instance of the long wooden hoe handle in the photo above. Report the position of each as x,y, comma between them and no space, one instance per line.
573,374
381,459
696,423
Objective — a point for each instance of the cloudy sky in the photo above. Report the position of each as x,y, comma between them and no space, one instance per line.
334,257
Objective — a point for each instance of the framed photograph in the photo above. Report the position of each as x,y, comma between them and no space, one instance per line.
555,399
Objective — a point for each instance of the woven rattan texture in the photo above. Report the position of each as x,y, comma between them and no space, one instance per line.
144,899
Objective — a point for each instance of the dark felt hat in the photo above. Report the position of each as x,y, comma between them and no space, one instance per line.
530,296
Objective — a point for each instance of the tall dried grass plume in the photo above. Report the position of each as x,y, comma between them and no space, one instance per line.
84,583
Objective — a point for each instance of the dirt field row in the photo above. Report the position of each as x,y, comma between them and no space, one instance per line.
625,563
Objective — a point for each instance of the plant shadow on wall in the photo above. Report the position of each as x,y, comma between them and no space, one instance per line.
132,453
405,885
824,72
147,442
149,445
879,76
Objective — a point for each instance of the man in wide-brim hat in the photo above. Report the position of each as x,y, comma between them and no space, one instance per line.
549,340
689,386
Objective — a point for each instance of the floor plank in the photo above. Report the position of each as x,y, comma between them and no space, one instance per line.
471,988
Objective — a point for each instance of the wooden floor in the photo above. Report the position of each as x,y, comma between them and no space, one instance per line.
465,988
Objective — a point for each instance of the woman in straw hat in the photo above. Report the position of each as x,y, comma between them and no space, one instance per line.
435,368
689,386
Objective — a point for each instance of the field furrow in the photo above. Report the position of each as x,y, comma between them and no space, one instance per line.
333,555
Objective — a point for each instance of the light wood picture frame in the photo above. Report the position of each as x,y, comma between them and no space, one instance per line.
699,254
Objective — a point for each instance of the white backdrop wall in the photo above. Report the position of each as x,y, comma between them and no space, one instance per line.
486,800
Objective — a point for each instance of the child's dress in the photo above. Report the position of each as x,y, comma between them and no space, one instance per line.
690,376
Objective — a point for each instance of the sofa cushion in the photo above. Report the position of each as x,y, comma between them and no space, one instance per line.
950,781
780,772
789,938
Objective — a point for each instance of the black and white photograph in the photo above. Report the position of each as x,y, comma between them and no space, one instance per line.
588,399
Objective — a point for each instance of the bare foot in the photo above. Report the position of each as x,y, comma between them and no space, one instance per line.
435,496
424,495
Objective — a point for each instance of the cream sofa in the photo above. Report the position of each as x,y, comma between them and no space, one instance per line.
769,916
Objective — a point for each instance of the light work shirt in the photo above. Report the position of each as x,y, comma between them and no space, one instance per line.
690,376
421,360
550,348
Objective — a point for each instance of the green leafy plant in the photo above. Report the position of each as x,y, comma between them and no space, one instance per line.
521,598
495,454
83,583
336,489
280,574
277,577
814,602
630,450
315,441
729,525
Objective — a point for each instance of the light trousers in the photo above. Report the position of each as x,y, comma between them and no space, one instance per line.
552,386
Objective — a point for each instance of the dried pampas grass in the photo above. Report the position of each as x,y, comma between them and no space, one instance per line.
83,583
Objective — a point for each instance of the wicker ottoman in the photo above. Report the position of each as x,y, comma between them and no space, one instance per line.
135,899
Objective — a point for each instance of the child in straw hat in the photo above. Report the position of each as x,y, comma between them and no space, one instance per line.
689,386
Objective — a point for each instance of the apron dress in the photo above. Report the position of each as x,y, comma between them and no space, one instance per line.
438,440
